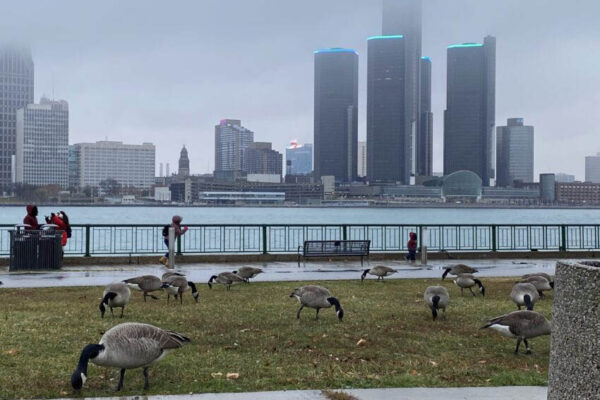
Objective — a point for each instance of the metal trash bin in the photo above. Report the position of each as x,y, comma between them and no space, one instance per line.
35,249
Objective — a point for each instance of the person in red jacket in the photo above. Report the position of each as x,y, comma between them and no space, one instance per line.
61,220
31,218
412,247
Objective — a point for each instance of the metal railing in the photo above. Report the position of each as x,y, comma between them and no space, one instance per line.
90,240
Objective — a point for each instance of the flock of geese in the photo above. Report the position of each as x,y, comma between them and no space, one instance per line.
136,345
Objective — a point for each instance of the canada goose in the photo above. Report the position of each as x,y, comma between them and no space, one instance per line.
379,271
176,285
169,274
524,294
522,325
127,346
316,297
146,284
437,297
540,283
225,278
467,281
545,275
458,269
115,295
246,273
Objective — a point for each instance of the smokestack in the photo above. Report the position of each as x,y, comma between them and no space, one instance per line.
168,170
160,169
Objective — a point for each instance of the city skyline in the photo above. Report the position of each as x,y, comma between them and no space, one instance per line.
71,70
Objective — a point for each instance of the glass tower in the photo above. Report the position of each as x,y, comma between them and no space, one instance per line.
514,153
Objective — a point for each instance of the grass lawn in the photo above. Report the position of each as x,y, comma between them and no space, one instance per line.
252,330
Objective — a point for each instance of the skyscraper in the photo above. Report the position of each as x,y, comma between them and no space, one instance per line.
362,159
425,136
514,153
470,108
231,139
592,168
260,158
404,17
389,122
42,144
299,158
336,113
184,163
16,91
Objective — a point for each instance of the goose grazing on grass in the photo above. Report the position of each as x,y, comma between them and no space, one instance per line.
127,346
467,281
169,274
545,275
437,298
379,271
316,297
246,273
146,284
458,269
521,325
115,295
541,283
225,278
175,285
524,294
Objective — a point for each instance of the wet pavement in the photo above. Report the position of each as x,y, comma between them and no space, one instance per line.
273,271
488,393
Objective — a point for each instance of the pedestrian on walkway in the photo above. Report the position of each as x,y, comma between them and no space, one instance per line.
176,224
30,219
412,247
61,220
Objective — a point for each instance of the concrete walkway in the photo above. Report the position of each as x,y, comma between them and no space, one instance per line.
479,393
273,271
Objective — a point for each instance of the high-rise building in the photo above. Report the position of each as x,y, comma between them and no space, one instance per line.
592,168
299,158
260,158
404,17
425,125
42,144
231,140
184,163
336,113
130,165
73,167
514,153
470,109
547,188
389,136
16,91
362,159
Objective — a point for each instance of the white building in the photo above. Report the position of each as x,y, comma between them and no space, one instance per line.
130,165
162,194
42,146
592,168
362,159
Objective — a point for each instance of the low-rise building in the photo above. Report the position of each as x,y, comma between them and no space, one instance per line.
578,193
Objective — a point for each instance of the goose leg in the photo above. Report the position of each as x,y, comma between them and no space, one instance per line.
472,292
144,297
181,298
519,306
518,344
527,346
317,314
444,314
146,384
122,311
120,385
153,296
461,291
111,312
298,312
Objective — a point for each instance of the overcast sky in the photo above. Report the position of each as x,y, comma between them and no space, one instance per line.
167,72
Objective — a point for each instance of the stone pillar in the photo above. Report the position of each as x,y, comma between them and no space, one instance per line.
574,371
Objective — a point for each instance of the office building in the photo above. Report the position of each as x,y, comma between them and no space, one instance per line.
299,158
514,153
184,163
260,158
592,169
547,188
362,159
578,193
16,91
73,167
470,109
424,152
42,144
336,113
231,140
564,178
389,136
130,165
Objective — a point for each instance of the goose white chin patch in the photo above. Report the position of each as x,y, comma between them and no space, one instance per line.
83,378
503,329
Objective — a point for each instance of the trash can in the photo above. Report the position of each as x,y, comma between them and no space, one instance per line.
35,249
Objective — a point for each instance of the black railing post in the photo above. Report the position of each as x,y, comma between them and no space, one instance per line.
563,238
87,241
494,239
264,239
420,238
345,232
179,246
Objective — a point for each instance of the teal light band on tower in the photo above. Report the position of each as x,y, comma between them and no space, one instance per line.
336,50
465,45
386,37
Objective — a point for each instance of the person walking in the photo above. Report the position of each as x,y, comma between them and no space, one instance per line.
412,247
179,230
30,221
61,220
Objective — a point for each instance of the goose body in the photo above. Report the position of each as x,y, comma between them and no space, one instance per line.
169,274
246,273
379,271
467,281
541,283
545,275
175,285
436,297
458,269
146,284
116,295
127,346
524,294
521,325
316,297
225,278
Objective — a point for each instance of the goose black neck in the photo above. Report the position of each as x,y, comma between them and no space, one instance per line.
435,300
334,302
108,296
365,272
481,288
528,302
445,273
89,352
192,286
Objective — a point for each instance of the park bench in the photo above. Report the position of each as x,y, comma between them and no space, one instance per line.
334,248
